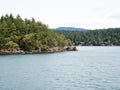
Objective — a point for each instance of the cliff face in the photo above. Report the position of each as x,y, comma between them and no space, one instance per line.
50,50
3,51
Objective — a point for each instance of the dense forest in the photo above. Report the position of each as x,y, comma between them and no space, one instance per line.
98,37
28,35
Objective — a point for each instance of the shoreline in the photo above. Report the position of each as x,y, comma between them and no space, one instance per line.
50,50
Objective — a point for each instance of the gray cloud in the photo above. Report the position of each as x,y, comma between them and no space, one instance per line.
115,16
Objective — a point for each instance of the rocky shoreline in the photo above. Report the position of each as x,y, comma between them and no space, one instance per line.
50,50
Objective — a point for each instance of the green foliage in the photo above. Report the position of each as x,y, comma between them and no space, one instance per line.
11,45
44,48
109,36
28,35
2,42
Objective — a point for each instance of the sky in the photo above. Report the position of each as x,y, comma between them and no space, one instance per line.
89,14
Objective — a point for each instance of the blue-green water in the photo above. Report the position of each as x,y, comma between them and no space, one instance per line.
89,68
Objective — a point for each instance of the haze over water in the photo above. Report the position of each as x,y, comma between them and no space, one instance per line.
89,68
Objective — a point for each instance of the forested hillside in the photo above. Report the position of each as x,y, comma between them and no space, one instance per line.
109,36
28,35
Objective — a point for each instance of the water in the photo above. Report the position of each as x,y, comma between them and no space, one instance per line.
90,68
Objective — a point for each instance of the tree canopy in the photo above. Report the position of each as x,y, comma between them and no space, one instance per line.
28,35
98,37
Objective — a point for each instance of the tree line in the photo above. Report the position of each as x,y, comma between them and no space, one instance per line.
97,37
28,35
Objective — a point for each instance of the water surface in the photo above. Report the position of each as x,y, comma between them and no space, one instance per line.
89,68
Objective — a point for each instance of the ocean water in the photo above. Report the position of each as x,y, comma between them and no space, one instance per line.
89,68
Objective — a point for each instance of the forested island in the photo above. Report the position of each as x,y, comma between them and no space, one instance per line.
99,37
19,35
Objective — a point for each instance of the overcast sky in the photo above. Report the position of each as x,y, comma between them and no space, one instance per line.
89,14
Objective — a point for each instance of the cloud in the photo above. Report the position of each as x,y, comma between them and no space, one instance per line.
115,16
99,9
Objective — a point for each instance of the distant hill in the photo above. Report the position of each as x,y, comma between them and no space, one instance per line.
69,29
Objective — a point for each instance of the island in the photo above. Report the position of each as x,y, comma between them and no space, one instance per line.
19,36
